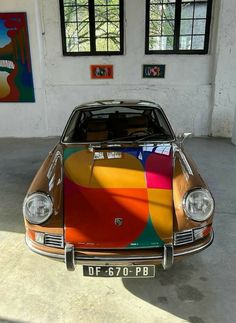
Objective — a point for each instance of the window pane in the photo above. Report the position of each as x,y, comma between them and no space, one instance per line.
100,29
186,27
101,44
169,11
69,2
72,44
199,26
71,29
113,13
200,10
113,31
168,27
187,10
107,2
101,13
185,42
155,12
155,28
81,2
84,45
82,14
83,30
198,42
100,2
70,14
114,44
161,43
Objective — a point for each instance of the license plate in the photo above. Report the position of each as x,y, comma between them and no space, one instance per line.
119,271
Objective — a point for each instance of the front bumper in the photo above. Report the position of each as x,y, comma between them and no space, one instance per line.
164,256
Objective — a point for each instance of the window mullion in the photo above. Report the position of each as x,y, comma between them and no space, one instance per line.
208,23
121,25
92,26
177,25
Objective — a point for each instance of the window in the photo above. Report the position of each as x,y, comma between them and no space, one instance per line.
92,27
117,123
177,26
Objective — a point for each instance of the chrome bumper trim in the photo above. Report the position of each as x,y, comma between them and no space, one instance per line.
131,259
168,256
41,252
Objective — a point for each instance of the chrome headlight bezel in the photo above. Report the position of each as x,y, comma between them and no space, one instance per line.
33,218
199,217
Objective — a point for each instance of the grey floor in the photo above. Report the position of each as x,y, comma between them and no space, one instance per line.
202,288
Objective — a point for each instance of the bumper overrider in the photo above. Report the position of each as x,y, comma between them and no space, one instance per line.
165,255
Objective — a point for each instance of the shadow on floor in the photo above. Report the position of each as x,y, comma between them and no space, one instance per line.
184,290
2,320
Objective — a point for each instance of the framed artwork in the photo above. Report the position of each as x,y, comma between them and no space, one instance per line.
16,78
154,71
101,71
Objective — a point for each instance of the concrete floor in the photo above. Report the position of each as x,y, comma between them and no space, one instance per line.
200,289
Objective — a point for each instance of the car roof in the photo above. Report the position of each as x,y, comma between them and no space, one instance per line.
124,103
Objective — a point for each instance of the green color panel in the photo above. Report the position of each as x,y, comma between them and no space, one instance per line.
148,238
70,151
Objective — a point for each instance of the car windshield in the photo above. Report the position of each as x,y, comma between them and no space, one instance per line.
117,124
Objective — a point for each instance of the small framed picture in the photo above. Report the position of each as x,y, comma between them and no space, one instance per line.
154,71
101,71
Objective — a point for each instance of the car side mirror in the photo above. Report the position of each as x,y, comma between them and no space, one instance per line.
181,138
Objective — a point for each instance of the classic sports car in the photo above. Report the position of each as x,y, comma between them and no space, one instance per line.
118,193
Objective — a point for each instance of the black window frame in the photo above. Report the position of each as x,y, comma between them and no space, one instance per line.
92,35
176,49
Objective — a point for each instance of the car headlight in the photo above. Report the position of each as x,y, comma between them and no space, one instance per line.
37,208
198,204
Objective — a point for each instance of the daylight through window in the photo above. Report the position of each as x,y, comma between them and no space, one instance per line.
177,26
92,27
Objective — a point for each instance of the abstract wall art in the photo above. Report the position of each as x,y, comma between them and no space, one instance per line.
101,71
16,78
154,71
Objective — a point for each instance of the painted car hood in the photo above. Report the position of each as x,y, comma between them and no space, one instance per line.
122,202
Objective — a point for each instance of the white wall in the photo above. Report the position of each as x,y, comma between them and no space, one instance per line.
64,82
224,82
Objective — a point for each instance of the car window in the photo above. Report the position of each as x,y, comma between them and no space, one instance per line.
116,123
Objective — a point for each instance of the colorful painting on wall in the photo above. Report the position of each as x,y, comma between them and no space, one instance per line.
16,79
154,71
101,71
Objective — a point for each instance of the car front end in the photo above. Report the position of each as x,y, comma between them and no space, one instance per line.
120,197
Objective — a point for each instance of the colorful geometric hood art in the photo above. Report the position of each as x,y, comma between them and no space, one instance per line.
16,79
119,198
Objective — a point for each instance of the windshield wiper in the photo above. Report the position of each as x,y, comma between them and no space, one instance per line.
110,141
117,139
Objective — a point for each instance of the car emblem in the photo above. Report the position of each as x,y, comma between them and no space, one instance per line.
118,221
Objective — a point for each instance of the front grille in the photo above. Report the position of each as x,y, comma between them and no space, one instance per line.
183,237
52,240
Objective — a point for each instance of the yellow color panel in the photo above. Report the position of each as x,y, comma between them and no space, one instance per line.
126,172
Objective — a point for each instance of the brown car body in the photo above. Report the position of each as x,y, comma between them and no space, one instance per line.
49,179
